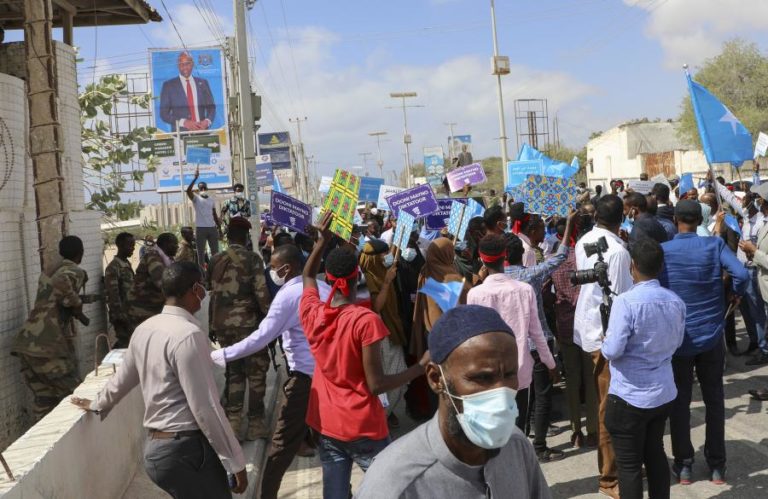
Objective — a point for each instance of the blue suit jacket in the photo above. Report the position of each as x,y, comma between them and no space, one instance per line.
173,102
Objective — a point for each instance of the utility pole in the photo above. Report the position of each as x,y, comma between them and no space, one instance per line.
406,135
500,67
365,161
302,180
379,162
450,126
247,125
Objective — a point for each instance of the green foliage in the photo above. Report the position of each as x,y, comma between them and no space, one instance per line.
104,152
739,78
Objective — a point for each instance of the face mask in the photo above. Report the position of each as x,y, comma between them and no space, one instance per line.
756,204
239,195
627,224
360,244
389,260
488,419
203,194
273,274
408,254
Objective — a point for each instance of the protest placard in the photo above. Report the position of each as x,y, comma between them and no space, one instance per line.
325,185
403,231
369,189
439,219
458,221
548,195
518,171
384,192
466,175
761,146
641,186
342,202
290,212
418,201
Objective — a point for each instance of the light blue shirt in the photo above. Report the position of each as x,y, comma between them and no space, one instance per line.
282,318
647,325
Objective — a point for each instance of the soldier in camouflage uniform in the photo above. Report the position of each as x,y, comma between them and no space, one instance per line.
44,345
146,297
239,300
118,280
187,251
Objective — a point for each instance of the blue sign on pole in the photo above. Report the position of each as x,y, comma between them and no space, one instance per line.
199,155
369,189
518,171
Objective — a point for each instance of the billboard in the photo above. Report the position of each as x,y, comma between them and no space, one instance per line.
278,146
189,99
458,142
434,164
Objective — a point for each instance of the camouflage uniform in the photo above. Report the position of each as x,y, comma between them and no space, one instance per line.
239,300
44,344
146,298
118,280
186,253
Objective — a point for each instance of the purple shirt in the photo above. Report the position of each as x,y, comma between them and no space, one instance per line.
282,318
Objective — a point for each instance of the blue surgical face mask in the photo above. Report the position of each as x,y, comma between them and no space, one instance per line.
489,417
360,243
389,260
627,224
408,254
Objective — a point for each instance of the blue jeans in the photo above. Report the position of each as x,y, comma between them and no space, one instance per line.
754,319
337,457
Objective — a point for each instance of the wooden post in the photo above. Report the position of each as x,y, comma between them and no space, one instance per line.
44,130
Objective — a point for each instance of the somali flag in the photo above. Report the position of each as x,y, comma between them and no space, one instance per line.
723,137
445,294
276,186
552,168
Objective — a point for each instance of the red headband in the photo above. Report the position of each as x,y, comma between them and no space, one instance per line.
492,258
517,225
340,283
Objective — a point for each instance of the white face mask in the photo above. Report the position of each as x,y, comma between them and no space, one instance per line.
273,274
408,254
489,417
239,195
389,260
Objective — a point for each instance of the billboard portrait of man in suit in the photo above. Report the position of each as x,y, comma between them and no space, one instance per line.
186,102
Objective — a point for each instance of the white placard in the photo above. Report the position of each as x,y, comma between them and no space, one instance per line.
762,145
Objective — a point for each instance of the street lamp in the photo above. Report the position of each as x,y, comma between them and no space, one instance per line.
406,135
500,67
365,160
379,163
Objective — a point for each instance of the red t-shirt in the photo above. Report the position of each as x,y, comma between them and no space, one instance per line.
340,404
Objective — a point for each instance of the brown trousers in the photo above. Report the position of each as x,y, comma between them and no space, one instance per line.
606,459
290,431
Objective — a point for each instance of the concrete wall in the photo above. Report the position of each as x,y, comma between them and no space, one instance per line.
19,261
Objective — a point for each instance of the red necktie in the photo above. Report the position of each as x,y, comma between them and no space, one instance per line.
191,102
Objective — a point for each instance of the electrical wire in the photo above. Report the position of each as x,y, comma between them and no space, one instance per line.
293,59
170,18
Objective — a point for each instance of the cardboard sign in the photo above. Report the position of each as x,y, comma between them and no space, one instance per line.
342,202
518,171
547,195
290,212
418,201
198,156
384,192
641,186
466,175
458,221
761,146
403,231
369,189
439,219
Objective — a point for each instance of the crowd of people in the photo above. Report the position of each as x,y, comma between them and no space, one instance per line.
625,298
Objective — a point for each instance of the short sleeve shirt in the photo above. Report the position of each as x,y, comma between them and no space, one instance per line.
203,211
340,404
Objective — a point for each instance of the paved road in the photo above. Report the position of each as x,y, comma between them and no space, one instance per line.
576,475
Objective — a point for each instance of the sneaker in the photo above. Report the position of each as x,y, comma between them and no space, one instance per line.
257,428
577,439
718,476
683,473
758,360
548,455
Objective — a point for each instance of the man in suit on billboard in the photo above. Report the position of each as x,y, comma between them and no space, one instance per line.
186,102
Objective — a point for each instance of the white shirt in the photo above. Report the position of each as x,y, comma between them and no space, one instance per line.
180,123
387,236
529,255
169,358
203,211
751,225
587,326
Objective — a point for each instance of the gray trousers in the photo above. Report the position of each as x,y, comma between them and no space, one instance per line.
186,468
204,235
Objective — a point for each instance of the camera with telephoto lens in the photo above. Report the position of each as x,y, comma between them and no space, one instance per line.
598,273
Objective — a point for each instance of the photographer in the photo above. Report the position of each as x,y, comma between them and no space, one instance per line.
588,324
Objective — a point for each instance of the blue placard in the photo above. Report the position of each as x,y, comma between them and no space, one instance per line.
369,189
439,219
198,156
518,171
418,201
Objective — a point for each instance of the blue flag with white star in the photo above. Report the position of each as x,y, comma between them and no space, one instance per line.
445,294
723,137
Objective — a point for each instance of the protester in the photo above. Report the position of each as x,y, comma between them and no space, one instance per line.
207,224
282,321
588,325
467,260
598,194
345,340
693,269
187,251
191,446
236,206
471,448
146,296
643,225
388,235
495,220
118,280
756,252
377,264
531,232
647,324
665,213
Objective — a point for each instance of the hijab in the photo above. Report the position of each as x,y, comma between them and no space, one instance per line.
703,230
375,273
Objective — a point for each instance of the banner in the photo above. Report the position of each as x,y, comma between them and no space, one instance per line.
217,174
384,192
459,141
278,146
434,164
547,195
264,174
439,219
418,201
290,212
466,175
403,231
641,186
369,189
342,202
518,171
